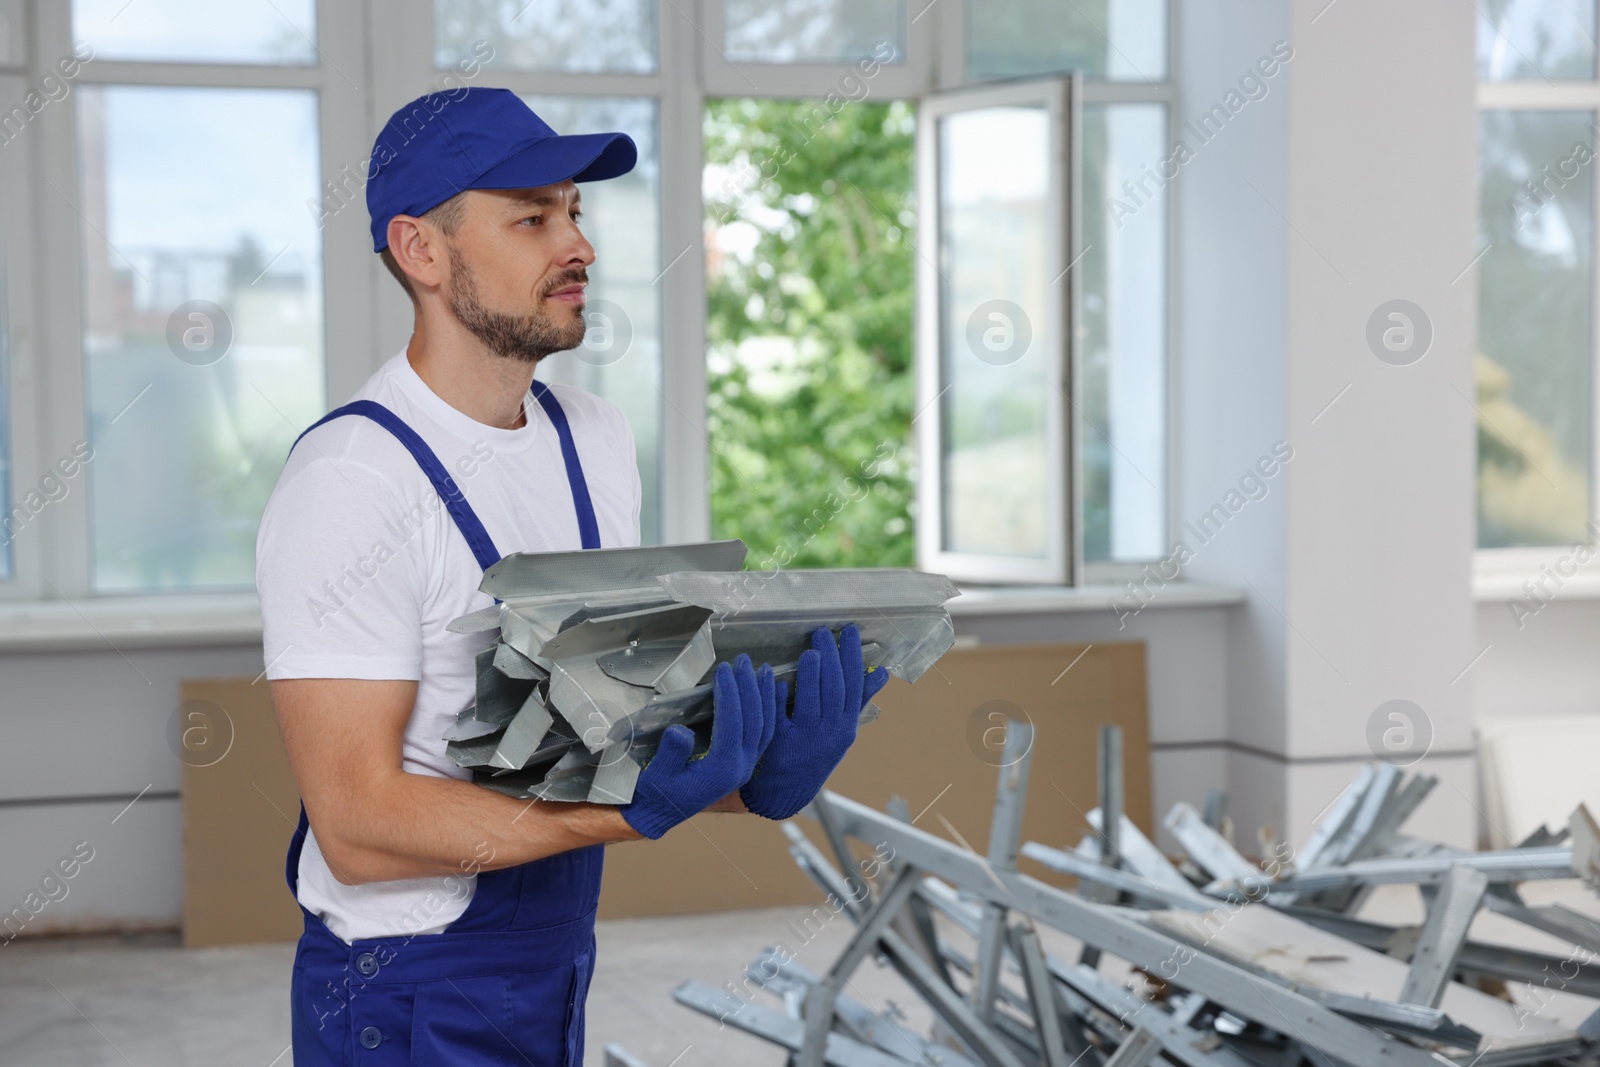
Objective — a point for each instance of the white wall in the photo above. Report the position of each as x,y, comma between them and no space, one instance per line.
1383,205
1229,390
1350,184
86,733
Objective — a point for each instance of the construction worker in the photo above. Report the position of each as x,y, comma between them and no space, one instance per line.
445,922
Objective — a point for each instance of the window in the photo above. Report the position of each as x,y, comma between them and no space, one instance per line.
1118,40
995,359
621,355
22,497
1122,366
1536,275
202,333
202,286
809,329
1014,458
9,524
810,31
1109,507
548,35
218,291
1536,40
199,31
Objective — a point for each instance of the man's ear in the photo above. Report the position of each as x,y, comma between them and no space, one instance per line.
418,249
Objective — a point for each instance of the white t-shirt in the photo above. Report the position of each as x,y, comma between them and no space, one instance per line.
360,568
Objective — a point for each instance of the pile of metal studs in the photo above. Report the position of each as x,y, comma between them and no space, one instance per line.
599,651
1233,964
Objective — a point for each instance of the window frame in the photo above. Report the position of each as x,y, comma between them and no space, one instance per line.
1063,559
19,379
1497,567
339,80
372,59
905,80
936,62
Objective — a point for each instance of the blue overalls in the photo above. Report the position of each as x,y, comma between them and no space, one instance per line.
506,982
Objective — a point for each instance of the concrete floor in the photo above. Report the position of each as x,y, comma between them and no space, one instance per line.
147,1002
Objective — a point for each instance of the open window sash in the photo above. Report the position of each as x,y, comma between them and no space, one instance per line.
996,309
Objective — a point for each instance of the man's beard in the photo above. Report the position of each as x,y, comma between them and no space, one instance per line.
528,337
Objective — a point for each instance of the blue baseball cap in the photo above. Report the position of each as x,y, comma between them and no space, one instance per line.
477,138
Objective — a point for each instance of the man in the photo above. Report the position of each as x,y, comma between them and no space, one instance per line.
444,922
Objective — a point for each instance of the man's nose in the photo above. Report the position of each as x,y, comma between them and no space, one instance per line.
578,250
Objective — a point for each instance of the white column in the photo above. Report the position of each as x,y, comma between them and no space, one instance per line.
1348,185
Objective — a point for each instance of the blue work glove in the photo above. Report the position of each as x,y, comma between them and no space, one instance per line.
831,688
675,785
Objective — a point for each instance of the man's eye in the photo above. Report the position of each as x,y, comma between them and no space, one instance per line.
577,216
534,219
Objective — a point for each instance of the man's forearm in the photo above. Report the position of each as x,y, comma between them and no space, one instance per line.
417,826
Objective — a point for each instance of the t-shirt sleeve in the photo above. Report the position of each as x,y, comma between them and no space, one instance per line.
341,592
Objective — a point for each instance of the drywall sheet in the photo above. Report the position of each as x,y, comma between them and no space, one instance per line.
239,810
1536,770
937,745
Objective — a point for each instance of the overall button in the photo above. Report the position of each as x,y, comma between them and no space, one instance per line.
367,964
371,1037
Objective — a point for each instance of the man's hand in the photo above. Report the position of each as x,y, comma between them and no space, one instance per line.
676,786
831,688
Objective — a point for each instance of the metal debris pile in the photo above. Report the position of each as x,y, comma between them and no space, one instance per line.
1232,964
599,651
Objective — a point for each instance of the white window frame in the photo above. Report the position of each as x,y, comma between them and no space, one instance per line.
374,56
56,362
1497,569
19,375
937,60
909,77
1063,551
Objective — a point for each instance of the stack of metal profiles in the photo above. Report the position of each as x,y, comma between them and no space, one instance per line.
599,651
1224,963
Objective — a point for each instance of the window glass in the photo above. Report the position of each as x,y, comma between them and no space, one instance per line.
199,31
1544,40
994,258
10,32
813,31
1121,40
203,330
621,356
10,525
570,35
1122,391
811,232
1535,326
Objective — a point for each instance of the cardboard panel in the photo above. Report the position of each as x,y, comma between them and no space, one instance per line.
239,810
938,745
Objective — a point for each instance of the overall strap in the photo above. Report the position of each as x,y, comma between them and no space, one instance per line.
588,529
466,519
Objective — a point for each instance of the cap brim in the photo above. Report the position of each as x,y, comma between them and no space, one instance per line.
583,157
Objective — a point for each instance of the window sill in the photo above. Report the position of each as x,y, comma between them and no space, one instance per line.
1040,599
1507,585
90,623
121,623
